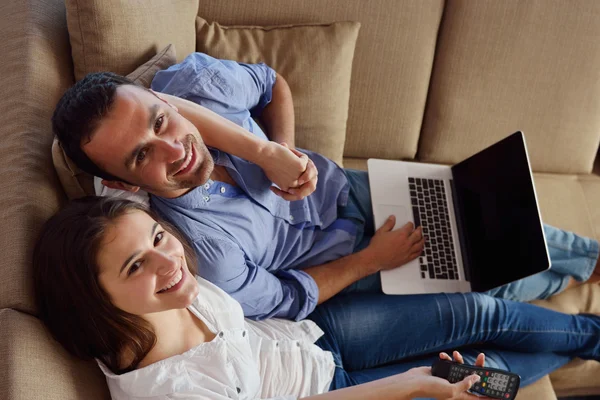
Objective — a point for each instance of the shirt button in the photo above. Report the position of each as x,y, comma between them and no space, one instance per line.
206,198
206,186
244,334
220,334
291,217
238,389
297,344
320,222
222,189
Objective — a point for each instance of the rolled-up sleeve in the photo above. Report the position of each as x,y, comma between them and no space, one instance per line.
290,294
224,86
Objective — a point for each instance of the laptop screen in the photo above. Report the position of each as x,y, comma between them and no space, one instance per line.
497,213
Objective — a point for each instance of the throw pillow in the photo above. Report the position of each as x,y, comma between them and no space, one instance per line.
78,183
118,35
315,60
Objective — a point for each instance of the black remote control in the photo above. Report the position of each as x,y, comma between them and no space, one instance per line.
493,382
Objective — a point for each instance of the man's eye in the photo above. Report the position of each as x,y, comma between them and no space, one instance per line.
158,238
141,156
134,268
158,123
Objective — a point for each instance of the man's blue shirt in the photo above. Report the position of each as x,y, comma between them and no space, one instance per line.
249,241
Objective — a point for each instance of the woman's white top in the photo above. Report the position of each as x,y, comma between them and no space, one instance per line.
271,359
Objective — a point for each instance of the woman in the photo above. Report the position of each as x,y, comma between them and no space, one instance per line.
115,283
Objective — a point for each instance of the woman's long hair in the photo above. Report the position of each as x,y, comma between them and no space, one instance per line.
69,299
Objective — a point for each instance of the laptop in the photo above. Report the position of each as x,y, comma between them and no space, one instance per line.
480,217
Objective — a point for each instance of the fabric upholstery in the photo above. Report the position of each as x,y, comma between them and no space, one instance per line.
316,62
77,183
36,70
503,66
119,35
38,366
390,75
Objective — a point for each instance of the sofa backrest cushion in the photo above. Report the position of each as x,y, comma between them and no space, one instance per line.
503,66
315,60
119,35
392,62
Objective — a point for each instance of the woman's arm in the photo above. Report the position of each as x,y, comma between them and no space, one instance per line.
416,382
279,163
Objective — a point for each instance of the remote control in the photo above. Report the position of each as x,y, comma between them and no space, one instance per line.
494,383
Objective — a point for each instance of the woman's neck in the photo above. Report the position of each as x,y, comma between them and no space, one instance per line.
177,331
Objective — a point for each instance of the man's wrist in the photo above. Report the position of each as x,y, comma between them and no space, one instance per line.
367,263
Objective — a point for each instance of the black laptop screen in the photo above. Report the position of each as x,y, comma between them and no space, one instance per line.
498,215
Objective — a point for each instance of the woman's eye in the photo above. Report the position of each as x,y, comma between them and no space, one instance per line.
158,123
158,238
141,156
134,267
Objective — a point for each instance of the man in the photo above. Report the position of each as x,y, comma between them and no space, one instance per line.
278,251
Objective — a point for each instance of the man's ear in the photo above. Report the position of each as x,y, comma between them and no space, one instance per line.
120,186
162,98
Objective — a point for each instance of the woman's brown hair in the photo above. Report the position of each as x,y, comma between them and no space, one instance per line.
69,299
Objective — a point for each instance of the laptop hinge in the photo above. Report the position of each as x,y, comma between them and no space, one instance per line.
464,245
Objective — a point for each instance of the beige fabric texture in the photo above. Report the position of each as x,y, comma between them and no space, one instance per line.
503,66
77,183
119,35
392,65
316,62
33,78
39,366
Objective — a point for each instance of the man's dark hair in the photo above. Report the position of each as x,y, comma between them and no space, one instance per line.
79,112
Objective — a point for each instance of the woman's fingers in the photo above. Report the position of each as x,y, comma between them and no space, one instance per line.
445,356
480,362
458,357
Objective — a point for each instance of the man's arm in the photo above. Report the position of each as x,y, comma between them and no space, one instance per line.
278,115
281,165
388,249
290,294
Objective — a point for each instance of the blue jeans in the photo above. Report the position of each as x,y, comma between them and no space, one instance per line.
372,335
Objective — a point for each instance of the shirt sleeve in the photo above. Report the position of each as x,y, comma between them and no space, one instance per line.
223,86
290,294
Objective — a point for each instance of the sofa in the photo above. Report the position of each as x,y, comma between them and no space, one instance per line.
428,81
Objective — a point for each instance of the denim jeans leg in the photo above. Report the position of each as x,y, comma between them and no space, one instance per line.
571,256
374,329
360,210
530,366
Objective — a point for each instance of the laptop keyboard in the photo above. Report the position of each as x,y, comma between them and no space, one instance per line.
430,210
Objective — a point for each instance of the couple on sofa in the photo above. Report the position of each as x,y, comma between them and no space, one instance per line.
287,301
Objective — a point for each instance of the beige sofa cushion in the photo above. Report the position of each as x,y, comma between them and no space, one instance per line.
36,70
390,78
503,66
315,60
39,368
119,35
77,183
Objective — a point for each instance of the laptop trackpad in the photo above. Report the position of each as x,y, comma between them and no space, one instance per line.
382,211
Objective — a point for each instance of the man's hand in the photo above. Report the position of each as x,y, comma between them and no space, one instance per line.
441,389
281,165
306,184
390,249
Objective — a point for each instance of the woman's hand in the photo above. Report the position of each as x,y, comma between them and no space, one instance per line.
292,171
441,389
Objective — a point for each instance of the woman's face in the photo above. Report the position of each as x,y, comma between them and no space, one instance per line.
143,267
